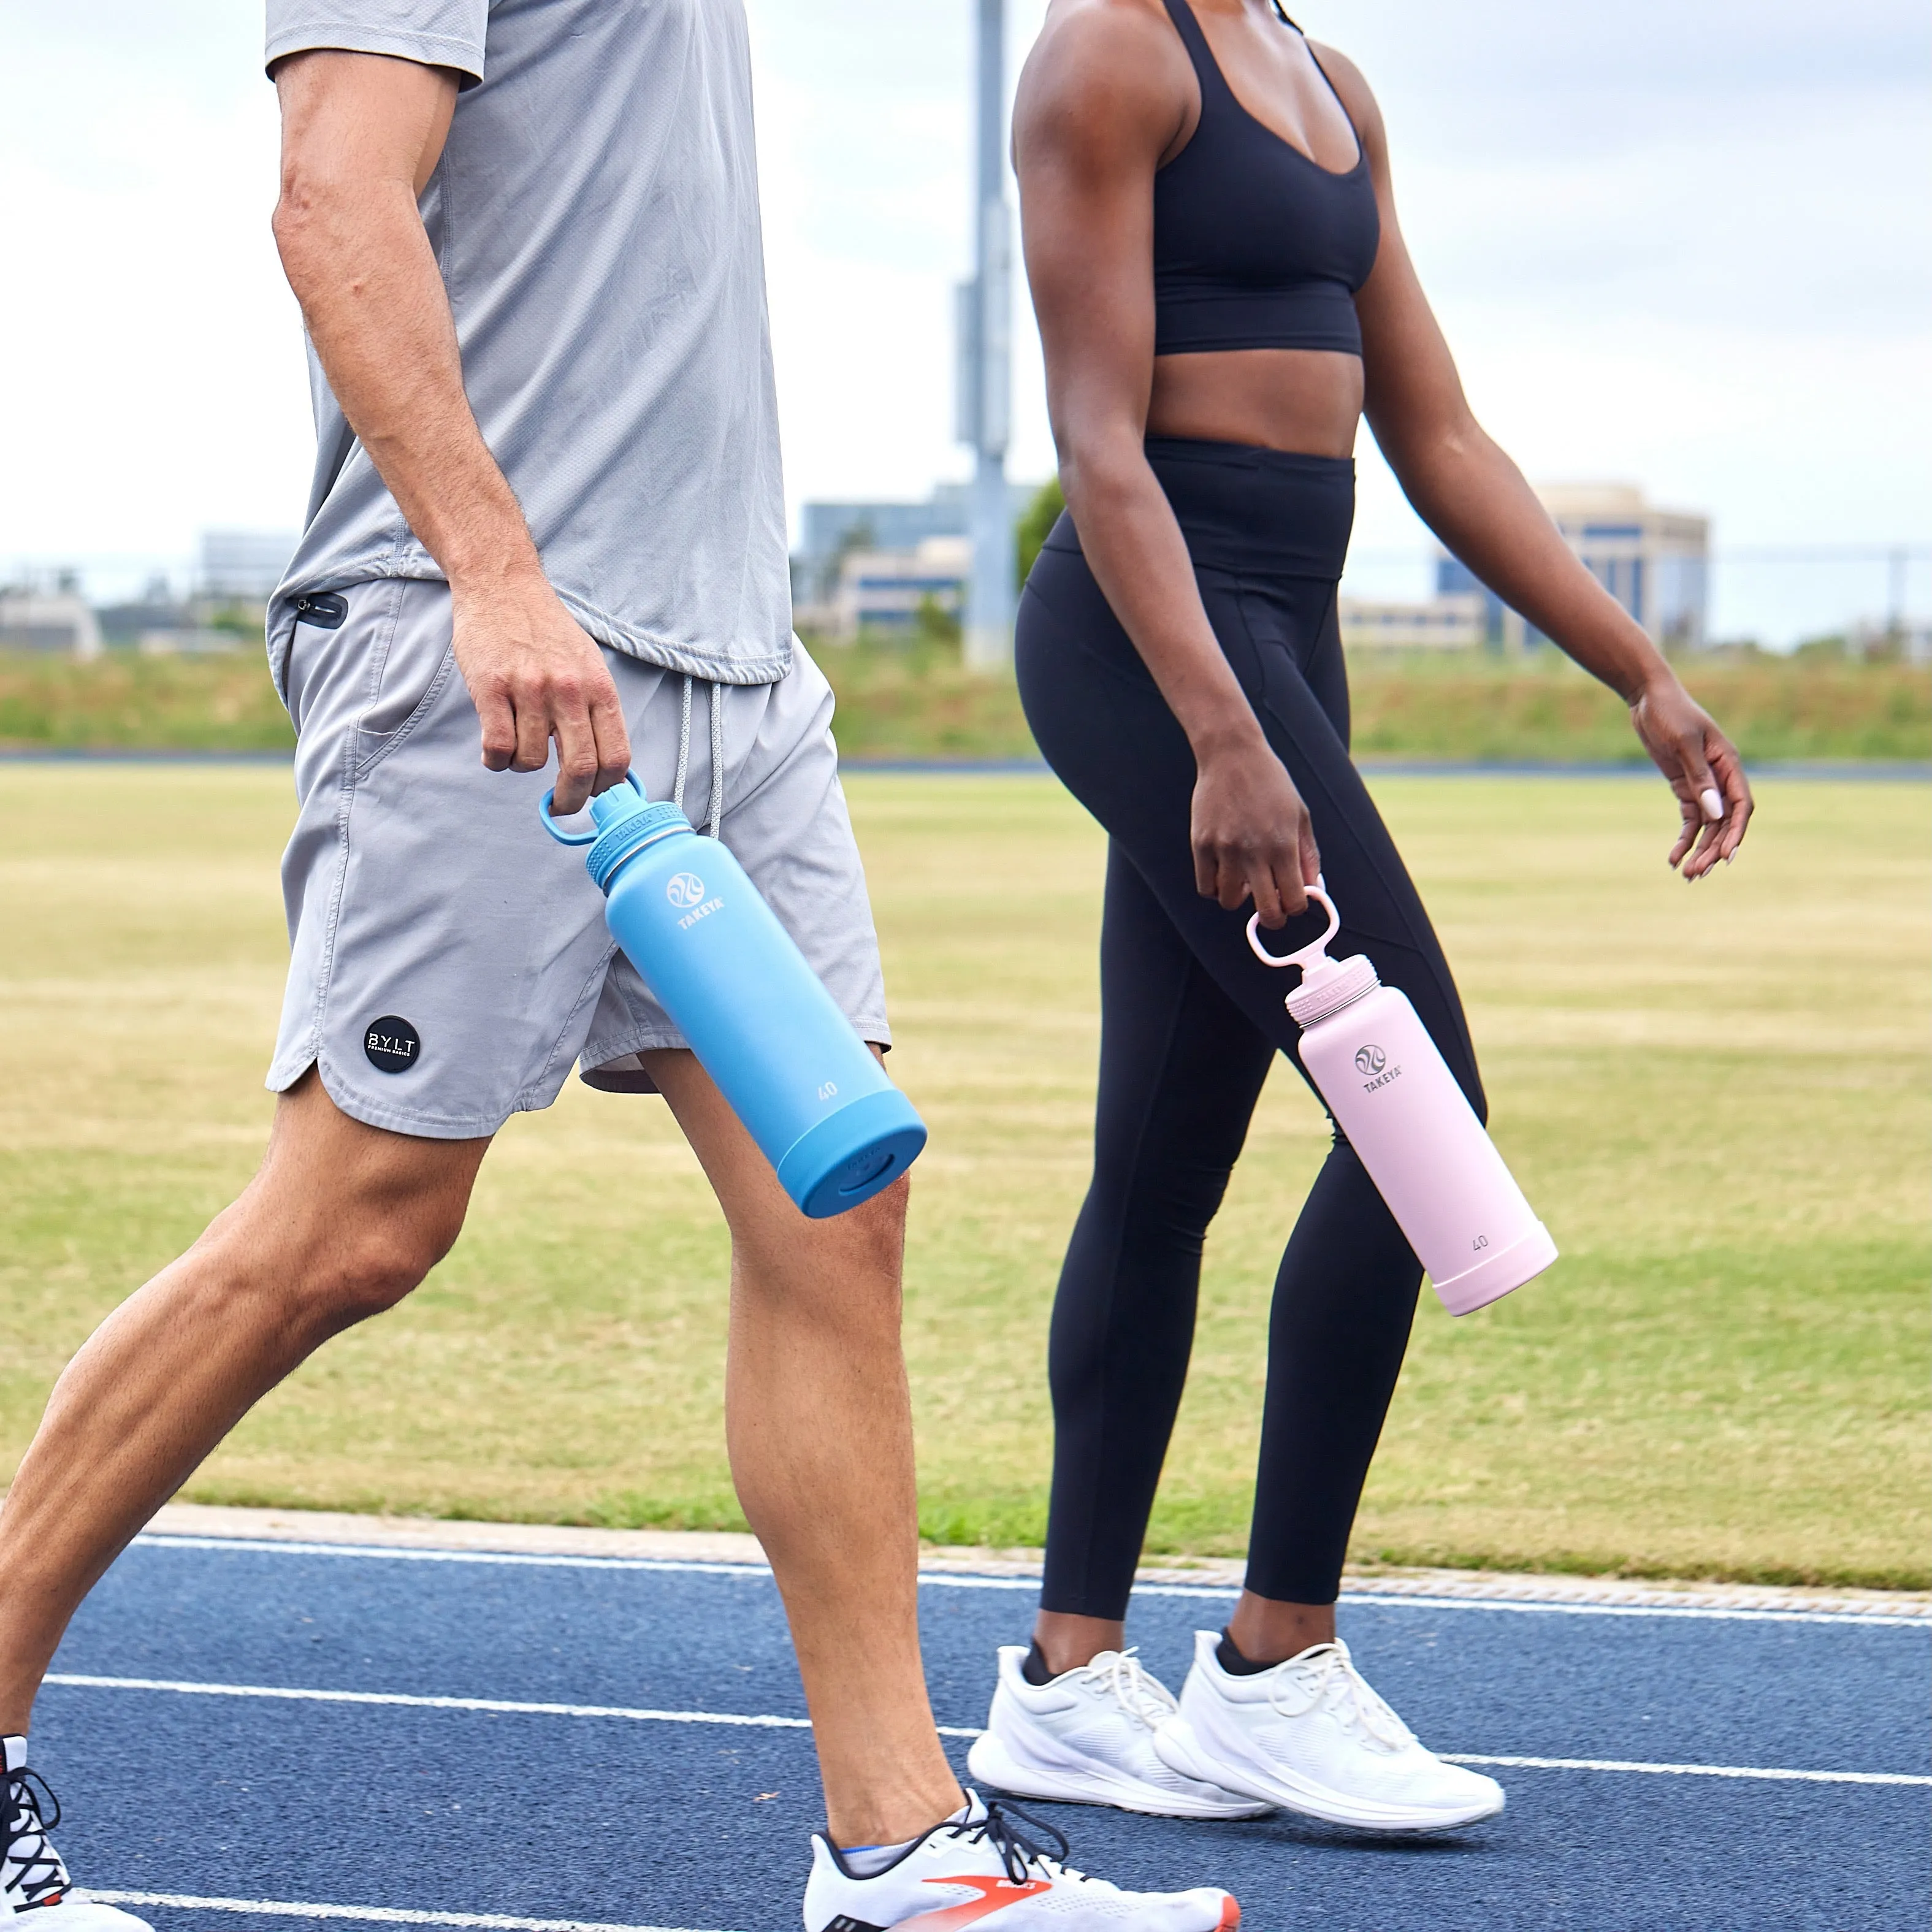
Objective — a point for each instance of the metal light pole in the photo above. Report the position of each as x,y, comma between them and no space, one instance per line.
984,382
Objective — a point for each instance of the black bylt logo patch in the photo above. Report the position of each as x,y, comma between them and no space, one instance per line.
392,1043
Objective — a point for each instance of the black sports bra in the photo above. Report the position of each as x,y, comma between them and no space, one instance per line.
1256,246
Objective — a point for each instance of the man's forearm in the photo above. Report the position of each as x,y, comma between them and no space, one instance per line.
361,135
362,267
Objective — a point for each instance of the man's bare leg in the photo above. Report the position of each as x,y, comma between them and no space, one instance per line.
341,1222
819,1422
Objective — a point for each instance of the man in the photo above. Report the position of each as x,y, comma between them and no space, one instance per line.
525,239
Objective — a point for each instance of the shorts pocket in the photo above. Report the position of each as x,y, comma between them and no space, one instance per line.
408,676
327,674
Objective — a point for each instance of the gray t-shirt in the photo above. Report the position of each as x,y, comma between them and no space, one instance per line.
596,217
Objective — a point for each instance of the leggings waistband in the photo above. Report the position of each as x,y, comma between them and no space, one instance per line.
1253,511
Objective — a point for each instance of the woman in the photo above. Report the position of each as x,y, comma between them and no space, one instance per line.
1222,292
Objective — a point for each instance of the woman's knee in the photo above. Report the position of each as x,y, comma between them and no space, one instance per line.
1170,1203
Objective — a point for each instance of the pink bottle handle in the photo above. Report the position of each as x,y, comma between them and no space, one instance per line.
1307,955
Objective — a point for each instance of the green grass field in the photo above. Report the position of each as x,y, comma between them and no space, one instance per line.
901,701
1716,1096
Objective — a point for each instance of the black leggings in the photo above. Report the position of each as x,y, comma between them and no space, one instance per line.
1190,1023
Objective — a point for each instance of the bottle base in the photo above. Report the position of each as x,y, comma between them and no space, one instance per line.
1493,1277
851,1155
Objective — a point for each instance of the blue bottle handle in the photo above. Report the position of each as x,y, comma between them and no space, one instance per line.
580,837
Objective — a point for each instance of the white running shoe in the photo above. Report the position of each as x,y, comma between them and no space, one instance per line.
1086,1737
1311,1736
985,1865
33,1883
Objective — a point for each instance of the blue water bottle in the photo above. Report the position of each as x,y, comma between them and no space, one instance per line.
763,1026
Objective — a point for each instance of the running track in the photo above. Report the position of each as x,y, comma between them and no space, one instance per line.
250,1737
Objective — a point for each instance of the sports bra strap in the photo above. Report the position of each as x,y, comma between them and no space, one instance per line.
1206,68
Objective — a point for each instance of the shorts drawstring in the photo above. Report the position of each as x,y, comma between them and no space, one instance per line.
715,815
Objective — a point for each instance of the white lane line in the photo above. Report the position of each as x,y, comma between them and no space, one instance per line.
1692,1770
377,1915
938,1579
1694,1612
516,1707
1686,1613
274,1547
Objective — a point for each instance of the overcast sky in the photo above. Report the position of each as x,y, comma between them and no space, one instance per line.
1689,245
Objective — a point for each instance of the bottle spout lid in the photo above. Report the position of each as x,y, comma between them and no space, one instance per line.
621,802
1327,984
1312,958
626,821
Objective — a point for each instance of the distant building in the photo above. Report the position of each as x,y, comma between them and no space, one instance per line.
49,620
1911,640
156,609
159,624
888,590
196,640
1655,563
829,532
244,565
1454,621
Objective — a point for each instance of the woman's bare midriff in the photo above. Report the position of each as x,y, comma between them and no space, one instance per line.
1305,401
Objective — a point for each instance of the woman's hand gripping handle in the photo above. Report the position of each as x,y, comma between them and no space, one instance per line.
1252,834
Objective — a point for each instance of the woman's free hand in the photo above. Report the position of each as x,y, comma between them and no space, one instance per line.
1251,832
1704,770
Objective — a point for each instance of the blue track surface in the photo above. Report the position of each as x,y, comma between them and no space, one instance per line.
620,1816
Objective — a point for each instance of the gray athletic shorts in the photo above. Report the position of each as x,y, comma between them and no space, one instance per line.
450,961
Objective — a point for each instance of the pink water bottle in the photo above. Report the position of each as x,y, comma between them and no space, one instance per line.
1392,1094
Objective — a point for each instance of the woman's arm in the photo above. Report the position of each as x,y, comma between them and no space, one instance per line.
1104,96
1474,499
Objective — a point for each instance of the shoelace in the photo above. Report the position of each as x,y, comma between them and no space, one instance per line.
1001,1826
1328,1679
1144,1698
31,1870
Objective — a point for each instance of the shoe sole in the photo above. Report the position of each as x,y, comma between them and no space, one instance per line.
989,1762
1179,1749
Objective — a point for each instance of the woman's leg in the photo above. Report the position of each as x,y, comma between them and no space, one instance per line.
1181,1070
1344,1303
1345,1293
1345,1296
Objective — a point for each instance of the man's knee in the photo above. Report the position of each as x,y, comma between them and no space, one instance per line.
343,1219
323,1273
333,1256
861,1253
845,1269
874,1232
367,1273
